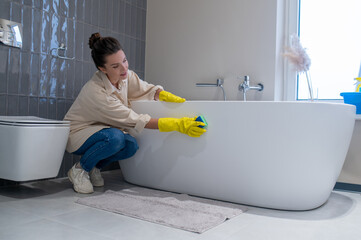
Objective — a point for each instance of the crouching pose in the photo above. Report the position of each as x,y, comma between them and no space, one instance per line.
101,120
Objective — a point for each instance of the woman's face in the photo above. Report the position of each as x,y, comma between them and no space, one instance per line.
116,66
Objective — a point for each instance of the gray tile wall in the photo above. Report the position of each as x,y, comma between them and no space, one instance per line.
33,82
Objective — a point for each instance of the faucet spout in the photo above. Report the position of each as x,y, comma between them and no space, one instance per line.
219,83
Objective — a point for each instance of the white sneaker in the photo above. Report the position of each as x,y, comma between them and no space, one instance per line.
96,178
80,179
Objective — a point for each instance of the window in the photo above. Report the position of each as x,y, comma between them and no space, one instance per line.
330,30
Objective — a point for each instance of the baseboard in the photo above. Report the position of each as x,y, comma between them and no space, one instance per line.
347,187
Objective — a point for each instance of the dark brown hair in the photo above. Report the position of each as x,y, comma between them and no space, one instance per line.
102,47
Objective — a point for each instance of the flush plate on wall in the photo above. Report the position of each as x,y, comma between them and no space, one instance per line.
11,33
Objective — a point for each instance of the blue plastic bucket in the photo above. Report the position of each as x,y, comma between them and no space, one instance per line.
353,98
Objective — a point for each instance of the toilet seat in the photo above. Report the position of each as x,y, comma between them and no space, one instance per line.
30,121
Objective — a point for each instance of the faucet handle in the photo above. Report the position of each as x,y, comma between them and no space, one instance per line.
245,78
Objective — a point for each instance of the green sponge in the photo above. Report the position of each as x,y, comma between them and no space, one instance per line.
200,118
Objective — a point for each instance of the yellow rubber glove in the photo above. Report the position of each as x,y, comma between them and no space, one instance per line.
169,97
184,125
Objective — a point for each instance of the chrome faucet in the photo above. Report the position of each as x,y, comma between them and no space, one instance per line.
218,84
244,87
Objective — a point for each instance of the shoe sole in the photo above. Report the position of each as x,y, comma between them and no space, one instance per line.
98,185
95,184
70,176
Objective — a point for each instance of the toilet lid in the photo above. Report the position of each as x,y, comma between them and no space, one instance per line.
30,120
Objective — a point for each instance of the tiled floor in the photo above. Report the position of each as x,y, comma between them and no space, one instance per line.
46,210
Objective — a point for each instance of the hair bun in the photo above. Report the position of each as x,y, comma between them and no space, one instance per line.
93,39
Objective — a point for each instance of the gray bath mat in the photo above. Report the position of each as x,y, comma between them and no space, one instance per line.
170,209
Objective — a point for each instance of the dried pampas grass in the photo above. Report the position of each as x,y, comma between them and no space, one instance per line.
299,58
297,55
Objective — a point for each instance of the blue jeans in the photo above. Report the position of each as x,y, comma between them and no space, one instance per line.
106,146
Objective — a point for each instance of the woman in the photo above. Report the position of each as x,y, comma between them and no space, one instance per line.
101,121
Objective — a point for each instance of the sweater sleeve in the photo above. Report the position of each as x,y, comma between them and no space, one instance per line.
109,110
139,89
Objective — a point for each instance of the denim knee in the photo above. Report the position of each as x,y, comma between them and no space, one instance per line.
133,148
116,139
132,145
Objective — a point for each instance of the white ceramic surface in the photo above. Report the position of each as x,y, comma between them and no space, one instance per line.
283,155
31,148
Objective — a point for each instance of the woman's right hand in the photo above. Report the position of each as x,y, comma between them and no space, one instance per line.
184,125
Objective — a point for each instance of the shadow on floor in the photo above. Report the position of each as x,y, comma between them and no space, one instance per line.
113,180
336,206
35,189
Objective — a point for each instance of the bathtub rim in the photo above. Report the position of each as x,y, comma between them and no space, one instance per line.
357,116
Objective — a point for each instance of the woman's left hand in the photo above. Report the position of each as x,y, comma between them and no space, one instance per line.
169,97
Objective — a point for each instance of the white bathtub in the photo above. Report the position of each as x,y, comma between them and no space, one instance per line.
283,155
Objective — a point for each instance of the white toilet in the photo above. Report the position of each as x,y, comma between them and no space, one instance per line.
31,147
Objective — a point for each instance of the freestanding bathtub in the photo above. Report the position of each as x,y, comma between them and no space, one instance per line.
282,155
